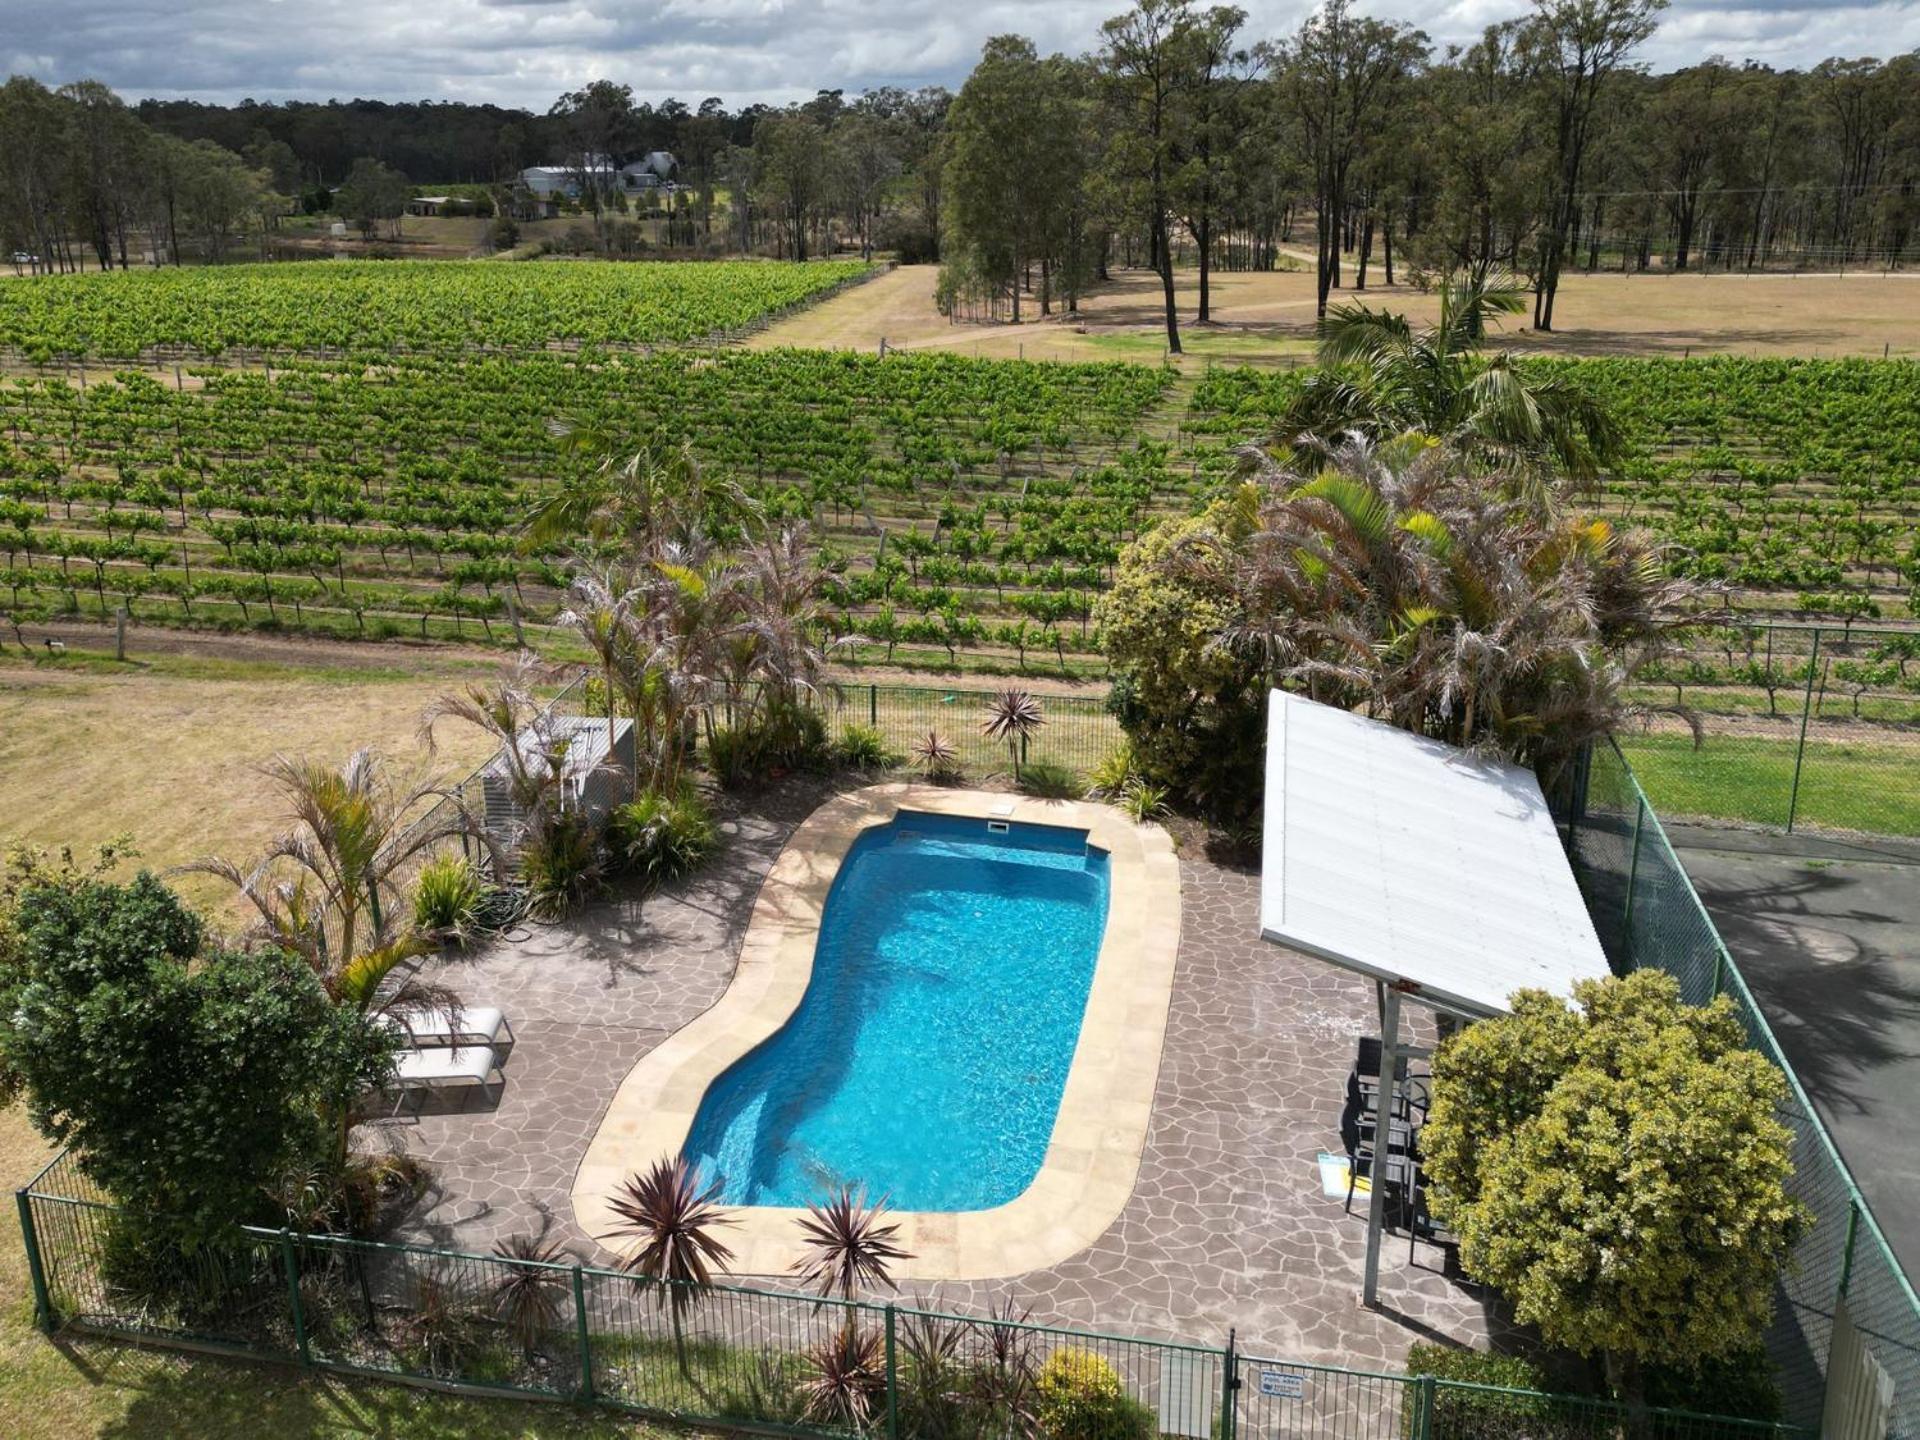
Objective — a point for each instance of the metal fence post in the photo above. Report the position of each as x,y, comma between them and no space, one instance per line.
1846,1256
1423,1395
292,1263
873,706
585,1342
1633,871
893,1382
1229,1389
36,1267
1806,713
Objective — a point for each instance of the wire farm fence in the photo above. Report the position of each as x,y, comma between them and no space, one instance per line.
1646,914
745,1358
1076,731
1807,727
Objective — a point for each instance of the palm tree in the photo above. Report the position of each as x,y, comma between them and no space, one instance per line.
1013,715
328,889
600,607
1381,378
1397,581
674,1219
531,747
632,501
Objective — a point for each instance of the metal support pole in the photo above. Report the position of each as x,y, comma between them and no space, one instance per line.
1633,871
1423,1407
893,1382
1382,1141
1846,1257
585,1387
1229,1390
1806,712
36,1266
292,1263
873,706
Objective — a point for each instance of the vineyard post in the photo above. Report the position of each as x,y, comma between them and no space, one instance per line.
1806,711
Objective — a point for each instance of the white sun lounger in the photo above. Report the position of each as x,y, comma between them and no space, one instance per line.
478,1025
445,1067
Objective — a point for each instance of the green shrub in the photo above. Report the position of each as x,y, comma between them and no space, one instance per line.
446,898
1051,782
562,866
1742,1384
1478,1412
864,748
1142,801
1079,1396
662,837
784,738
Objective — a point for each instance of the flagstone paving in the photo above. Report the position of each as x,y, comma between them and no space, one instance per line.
1226,1226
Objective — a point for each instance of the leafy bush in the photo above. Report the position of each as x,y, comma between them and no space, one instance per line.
446,898
1079,1396
1051,782
1536,1117
662,837
90,970
562,866
1741,1384
1142,801
1477,1412
864,748
784,738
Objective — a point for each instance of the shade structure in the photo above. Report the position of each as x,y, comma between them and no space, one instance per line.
1416,863
1437,872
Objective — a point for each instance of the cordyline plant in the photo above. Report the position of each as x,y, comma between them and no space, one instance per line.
849,1243
674,1218
935,755
531,1292
1012,715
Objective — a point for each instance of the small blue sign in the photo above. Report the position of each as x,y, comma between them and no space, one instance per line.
1287,1387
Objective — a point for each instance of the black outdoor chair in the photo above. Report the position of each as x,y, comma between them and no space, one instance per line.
1400,1169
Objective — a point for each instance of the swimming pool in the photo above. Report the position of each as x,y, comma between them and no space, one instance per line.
928,1055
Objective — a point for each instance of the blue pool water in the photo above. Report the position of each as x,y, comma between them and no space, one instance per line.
927,1058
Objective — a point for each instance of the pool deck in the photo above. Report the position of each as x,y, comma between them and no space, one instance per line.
1225,1225
1100,1128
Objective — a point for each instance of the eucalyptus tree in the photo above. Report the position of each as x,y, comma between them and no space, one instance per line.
1218,78
1146,56
1339,75
1576,47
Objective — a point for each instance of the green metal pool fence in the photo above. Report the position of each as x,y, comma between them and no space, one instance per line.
1076,731
739,1357
1647,914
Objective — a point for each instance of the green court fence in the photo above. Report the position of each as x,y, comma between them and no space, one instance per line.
1805,727
1647,914
738,1357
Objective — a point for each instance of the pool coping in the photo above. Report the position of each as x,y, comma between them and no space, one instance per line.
1099,1132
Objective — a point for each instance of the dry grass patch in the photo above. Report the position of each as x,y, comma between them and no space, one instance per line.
170,751
1262,318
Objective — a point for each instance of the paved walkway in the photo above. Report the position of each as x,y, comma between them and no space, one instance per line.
1227,1226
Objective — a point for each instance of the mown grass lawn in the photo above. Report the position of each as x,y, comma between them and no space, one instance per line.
1844,785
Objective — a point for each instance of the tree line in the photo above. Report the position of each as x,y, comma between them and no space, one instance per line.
1179,139
1542,146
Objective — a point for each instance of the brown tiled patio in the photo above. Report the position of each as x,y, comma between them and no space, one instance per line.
1227,1226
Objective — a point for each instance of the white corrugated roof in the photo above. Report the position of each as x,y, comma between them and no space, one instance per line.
1408,859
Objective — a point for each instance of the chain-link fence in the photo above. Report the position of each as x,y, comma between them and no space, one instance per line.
1647,914
1805,727
740,1357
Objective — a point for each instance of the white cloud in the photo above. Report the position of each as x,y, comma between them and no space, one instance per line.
524,52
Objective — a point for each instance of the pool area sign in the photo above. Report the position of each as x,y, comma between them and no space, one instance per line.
1283,1385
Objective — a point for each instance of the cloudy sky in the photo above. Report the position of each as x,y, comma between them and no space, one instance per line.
524,52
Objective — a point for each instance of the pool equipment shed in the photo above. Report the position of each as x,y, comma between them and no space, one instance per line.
1435,872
